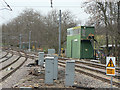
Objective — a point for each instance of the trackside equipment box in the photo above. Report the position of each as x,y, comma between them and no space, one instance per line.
49,70
51,51
40,58
70,73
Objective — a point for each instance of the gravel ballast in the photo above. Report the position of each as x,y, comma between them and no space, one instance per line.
29,77
16,76
80,80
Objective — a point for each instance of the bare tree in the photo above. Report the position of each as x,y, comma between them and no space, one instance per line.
104,16
44,28
52,25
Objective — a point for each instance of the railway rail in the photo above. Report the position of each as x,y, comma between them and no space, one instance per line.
3,55
97,65
89,68
93,72
7,57
12,64
88,63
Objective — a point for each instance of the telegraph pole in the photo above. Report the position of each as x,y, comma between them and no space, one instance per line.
20,41
29,40
119,30
59,32
119,17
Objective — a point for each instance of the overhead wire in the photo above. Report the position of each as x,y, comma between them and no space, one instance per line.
2,17
45,6
2,3
51,4
8,5
2,9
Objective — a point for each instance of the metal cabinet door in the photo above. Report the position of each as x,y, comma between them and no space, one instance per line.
69,73
55,68
75,49
49,71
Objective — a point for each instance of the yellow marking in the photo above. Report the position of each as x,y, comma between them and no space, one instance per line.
61,48
33,47
110,71
79,27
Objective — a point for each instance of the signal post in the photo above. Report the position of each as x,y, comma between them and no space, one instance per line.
110,67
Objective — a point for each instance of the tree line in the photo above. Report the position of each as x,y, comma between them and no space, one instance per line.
44,28
104,16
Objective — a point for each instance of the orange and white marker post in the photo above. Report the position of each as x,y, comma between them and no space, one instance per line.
110,67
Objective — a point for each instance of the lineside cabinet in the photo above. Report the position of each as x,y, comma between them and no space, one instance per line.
51,51
49,70
69,73
40,58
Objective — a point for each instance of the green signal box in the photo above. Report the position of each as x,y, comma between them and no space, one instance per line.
80,42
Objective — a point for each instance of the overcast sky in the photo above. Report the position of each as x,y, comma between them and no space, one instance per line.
43,6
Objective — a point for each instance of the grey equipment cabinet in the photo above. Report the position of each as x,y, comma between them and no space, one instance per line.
51,51
69,73
40,58
55,76
49,72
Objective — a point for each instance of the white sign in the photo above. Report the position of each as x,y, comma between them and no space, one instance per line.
110,66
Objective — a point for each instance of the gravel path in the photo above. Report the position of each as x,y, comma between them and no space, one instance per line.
15,77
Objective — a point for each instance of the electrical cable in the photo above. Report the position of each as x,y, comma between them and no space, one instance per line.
47,6
51,4
2,17
8,5
2,3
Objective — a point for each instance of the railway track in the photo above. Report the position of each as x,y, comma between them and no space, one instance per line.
96,65
9,62
7,57
93,72
91,64
3,55
12,64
